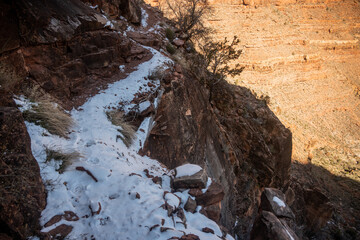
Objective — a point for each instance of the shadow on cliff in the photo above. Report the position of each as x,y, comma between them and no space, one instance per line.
331,214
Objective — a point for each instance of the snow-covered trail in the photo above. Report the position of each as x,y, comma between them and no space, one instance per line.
123,203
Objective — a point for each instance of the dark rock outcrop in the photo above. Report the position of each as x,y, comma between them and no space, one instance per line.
214,194
273,200
63,47
129,9
22,193
269,227
198,180
238,140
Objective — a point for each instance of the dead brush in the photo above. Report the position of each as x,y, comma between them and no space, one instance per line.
127,131
48,115
66,158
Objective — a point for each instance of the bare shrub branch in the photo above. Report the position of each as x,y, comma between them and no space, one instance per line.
188,17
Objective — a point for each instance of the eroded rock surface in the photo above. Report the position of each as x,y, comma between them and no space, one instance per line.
68,51
22,191
241,144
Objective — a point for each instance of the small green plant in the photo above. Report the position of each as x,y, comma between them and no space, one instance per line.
170,48
49,116
169,34
127,131
66,158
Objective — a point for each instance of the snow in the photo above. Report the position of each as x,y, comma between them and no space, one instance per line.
287,232
172,200
130,202
122,68
279,201
187,170
93,7
109,23
144,18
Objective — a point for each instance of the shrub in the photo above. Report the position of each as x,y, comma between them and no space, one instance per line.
218,56
49,116
213,62
170,48
66,158
187,16
127,131
169,34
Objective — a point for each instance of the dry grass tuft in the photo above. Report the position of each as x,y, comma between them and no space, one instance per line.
66,158
127,131
47,114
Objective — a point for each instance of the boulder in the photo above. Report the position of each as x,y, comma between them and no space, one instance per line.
190,205
214,194
147,39
212,212
273,200
197,180
195,192
268,227
318,209
207,230
178,42
190,237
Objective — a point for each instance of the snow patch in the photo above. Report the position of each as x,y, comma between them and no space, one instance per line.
279,201
130,202
144,18
187,170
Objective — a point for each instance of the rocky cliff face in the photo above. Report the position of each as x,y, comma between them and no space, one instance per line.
238,140
302,58
21,188
63,47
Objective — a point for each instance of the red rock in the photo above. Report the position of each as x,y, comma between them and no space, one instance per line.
198,180
178,68
190,205
269,204
21,188
212,212
195,192
207,230
190,237
68,216
60,231
267,226
147,39
214,194
82,169
178,42
318,209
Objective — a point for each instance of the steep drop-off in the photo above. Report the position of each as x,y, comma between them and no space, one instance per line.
71,50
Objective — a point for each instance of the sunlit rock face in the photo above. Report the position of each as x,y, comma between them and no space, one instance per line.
303,57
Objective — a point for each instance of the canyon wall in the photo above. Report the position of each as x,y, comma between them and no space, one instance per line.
304,59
